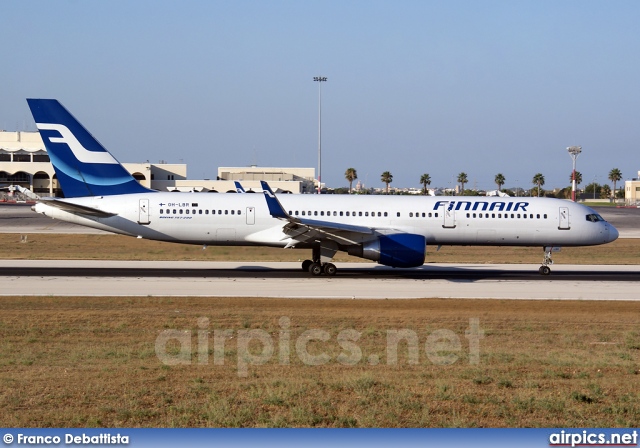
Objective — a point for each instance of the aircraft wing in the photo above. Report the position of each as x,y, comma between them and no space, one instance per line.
301,229
75,208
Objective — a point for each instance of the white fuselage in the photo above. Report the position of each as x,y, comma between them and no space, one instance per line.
244,219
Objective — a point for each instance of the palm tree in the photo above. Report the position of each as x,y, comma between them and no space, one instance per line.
499,180
350,175
387,178
538,179
462,178
425,180
578,178
615,176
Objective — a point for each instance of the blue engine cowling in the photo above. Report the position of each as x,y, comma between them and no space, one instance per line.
400,250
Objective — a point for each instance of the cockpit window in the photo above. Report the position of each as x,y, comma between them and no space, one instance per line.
594,217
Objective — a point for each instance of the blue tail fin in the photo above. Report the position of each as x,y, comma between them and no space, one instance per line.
83,166
239,187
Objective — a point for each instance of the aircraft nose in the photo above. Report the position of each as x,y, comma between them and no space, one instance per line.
613,233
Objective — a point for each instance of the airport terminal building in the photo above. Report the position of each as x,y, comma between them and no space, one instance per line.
24,161
632,191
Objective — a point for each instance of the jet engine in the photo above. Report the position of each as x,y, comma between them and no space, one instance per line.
400,250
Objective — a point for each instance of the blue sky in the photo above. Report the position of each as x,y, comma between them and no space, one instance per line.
413,86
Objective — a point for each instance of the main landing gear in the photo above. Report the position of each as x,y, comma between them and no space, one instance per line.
316,268
321,256
546,261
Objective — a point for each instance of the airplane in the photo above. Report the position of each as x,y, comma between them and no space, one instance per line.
391,230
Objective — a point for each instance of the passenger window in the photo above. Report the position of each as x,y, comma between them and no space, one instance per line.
410,214
359,213
385,214
366,213
335,213
315,213
187,211
181,211
436,215
524,216
468,215
226,212
342,212
303,213
545,216
398,214
347,213
206,212
161,211
322,213
233,212
538,216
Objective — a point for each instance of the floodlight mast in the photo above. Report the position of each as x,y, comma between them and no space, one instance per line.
320,80
574,152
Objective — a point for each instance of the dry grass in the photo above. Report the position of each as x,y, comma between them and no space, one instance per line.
75,362
116,247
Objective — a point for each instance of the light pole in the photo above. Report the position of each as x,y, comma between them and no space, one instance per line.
574,151
320,80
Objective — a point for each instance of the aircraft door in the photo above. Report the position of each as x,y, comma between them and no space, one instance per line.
143,211
563,223
449,218
251,216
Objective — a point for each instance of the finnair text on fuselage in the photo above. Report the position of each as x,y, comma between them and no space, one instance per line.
498,206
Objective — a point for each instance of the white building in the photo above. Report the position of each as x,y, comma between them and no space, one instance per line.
24,161
632,191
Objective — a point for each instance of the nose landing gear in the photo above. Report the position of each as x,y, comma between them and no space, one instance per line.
547,261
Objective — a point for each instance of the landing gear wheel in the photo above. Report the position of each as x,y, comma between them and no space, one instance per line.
315,269
330,269
306,264
544,270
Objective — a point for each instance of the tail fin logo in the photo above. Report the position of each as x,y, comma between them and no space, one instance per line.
81,153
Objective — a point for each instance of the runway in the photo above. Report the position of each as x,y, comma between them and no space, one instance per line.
286,280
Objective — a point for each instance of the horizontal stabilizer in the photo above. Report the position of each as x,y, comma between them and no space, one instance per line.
76,208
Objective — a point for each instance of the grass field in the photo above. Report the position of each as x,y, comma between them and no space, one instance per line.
75,362
116,247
